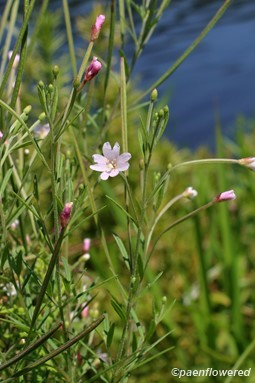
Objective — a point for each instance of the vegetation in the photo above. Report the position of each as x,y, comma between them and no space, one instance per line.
125,278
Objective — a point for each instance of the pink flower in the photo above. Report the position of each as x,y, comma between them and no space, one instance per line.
1,134
249,162
225,196
112,162
66,214
86,244
95,30
92,70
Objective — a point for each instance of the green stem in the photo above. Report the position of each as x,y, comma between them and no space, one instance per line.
91,198
46,280
69,36
15,50
175,223
30,348
206,161
123,105
60,349
161,213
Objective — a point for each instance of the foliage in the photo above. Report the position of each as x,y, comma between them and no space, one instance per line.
139,293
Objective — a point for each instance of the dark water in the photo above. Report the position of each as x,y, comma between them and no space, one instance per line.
219,76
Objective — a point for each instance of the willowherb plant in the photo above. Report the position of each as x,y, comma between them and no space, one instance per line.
55,324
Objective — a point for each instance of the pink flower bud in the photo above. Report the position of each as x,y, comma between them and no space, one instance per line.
190,193
85,312
92,70
86,244
66,214
225,196
249,162
1,134
95,30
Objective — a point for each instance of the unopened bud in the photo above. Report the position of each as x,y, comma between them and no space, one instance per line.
166,110
42,117
249,162
86,244
51,88
154,95
41,84
27,109
66,214
190,193
225,196
161,113
55,71
93,69
95,30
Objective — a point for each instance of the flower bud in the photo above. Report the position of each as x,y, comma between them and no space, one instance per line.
42,117
55,71
1,134
154,95
66,214
51,88
190,193
225,196
249,162
86,244
95,30
85,312
27,109
92,70
41,84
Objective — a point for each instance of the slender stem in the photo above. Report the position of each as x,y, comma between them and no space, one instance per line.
30,348
161,213
69,36
60,349
175,223
123,105
46,280
206,161
91,199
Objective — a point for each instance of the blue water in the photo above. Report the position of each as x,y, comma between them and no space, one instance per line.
217,78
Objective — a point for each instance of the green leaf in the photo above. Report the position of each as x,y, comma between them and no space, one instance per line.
5,181
110,335
122,249
118,309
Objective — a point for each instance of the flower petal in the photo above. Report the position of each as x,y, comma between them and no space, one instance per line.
99,159
123,166
99,167
114,172
107,149
124,157
104,176
116,150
